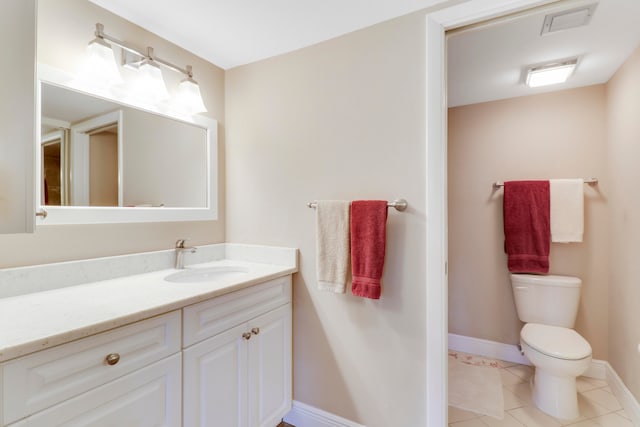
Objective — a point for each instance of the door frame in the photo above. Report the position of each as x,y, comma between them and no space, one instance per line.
437,23
80,155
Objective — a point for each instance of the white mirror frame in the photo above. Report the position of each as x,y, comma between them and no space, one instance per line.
58,215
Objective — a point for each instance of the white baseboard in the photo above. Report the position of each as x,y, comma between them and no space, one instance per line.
597,369
302,415
625,397
511,353
486,348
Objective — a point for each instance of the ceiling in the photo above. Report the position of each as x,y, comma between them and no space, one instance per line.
487,62
229,33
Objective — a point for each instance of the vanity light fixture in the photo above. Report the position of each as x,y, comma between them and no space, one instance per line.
149,84
549,74
100,68
188,96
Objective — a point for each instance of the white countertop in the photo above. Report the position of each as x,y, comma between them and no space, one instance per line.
39,320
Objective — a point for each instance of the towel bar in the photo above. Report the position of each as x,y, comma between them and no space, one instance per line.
590,181
398,204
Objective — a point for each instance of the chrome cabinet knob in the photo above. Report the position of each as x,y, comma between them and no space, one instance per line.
112,359
246,335
255,331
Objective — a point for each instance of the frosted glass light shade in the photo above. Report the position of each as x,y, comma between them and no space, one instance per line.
149,86
189,99
99,69
550,75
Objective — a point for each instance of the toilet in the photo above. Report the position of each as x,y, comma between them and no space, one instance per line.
549,305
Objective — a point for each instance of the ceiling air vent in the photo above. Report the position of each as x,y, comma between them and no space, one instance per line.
567,19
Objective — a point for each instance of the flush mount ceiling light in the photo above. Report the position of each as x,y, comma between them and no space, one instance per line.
550,74
149,86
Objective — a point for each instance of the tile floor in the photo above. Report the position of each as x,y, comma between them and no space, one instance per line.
598,406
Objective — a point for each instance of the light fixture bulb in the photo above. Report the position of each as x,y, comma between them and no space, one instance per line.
99,69
550,74
149,86
189,99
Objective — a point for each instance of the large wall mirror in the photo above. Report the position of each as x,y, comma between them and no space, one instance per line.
104,161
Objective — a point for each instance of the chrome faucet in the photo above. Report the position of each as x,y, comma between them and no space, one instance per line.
180,250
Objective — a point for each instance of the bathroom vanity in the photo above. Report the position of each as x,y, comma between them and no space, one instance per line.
211,346
126,340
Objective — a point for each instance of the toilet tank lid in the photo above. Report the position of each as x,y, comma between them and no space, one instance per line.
555,341
546,280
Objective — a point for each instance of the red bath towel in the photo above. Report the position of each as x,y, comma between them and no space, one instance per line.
527,229
368,243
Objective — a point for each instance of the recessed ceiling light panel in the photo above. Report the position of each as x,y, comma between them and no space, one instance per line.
550,74
567,19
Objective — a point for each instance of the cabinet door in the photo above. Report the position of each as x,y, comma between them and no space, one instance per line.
270,367
17,116
149,397
215,381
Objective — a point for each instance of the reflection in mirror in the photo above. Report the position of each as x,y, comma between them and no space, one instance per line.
53,148
100,153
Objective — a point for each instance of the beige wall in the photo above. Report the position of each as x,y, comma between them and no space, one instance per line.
556,135
623,107
344,119
64,29
103,169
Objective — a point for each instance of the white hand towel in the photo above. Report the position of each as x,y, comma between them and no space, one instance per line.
567,210
332,244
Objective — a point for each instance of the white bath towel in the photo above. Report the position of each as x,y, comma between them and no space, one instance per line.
567,210
332,244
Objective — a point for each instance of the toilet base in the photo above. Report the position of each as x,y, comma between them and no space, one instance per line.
557,396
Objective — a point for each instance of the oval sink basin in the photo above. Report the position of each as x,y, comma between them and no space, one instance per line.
206,274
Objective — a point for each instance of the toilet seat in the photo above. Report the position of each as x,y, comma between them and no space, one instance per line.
555,341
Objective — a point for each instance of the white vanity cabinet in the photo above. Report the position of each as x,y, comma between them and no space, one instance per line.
223,362
17,116
239,376
127,376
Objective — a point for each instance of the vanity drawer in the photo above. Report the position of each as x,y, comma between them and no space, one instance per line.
149,397
43,379
211,317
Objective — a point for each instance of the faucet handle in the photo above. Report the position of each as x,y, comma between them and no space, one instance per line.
180,243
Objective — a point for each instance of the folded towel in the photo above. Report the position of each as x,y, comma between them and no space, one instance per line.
332,245
526,226
567,210
368,244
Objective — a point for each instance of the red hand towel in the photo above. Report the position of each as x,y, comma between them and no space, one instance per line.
527,229
368,243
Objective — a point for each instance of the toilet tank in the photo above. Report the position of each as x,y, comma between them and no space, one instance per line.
548,300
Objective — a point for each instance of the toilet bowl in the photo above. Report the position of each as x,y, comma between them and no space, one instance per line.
549,305
559,356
